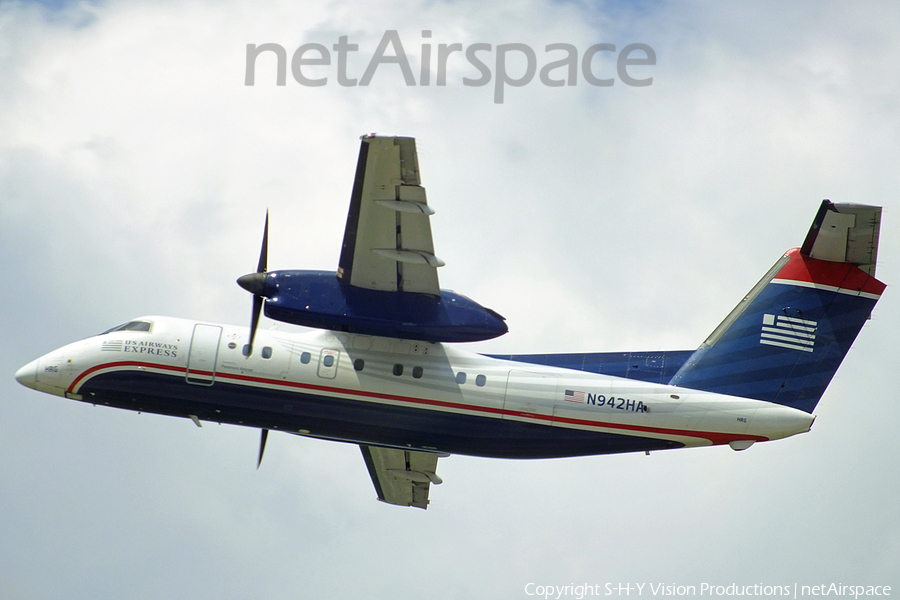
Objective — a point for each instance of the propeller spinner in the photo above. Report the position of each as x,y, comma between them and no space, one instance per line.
255,283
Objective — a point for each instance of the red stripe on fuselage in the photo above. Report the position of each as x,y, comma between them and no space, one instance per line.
126,363
714,437
844,276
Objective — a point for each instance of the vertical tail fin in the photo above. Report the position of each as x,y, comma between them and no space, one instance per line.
785,340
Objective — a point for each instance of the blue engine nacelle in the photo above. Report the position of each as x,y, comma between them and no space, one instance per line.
319,299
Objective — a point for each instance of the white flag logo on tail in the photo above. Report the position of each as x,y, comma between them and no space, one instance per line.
788,332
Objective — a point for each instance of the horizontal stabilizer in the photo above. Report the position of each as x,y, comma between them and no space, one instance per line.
656,366
845,233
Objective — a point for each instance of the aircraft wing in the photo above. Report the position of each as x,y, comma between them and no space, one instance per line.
387,242
401,477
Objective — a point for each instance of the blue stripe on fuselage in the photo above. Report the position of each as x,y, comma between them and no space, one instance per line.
355,421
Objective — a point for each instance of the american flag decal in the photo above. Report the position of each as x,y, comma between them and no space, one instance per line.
113,346
788,332
574,396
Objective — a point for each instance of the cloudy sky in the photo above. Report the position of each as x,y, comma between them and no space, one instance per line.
135,171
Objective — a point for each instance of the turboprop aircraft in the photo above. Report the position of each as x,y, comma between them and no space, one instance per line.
384,369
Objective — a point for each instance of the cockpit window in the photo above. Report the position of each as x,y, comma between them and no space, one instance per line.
130,326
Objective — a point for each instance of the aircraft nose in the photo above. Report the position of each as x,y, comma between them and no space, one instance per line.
27,375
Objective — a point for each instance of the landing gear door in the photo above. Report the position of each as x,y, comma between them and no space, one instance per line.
201,367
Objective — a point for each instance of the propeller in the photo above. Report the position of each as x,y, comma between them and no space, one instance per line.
255,283
262,446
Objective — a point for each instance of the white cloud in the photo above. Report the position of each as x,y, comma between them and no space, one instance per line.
135,170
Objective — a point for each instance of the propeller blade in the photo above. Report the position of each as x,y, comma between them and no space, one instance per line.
255,283
254,321
264,251
262,446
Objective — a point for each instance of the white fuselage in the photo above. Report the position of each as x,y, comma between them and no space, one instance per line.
396,393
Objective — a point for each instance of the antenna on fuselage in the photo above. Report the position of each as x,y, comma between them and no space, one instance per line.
262,446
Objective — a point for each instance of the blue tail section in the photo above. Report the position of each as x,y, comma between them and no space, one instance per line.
784,342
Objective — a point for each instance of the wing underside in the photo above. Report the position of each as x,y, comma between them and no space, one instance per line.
387,242
401,477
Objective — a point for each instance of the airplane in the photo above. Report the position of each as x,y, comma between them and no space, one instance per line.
383,367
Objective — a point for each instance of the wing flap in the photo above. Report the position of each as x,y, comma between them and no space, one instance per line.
401,477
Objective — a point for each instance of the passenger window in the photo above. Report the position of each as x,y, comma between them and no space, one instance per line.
267,352
328,361
305,358
461,377
246,350
417,372
359,364
480,380
398,369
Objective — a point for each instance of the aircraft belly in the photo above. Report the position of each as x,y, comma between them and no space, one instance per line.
353,420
